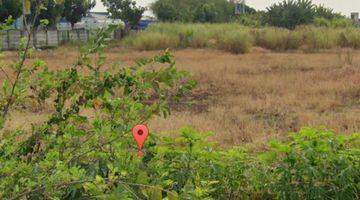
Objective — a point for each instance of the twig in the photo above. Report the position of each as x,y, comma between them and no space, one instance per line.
19,70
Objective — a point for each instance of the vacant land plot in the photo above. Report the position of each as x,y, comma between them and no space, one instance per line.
247,98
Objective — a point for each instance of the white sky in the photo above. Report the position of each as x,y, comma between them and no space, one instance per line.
343,6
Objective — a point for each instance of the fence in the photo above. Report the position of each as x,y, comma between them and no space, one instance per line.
10,39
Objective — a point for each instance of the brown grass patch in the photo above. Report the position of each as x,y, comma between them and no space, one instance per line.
251,97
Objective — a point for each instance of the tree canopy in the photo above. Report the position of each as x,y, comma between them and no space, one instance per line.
291,13
10,8
126,10
194,10
74,10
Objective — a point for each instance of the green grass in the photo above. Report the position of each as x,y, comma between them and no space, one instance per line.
236,38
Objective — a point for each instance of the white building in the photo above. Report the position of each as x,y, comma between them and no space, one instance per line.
96,20
92,21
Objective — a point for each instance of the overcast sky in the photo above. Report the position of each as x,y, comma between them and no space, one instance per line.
343,6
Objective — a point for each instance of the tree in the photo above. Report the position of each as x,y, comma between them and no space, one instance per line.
51,11
10,8
327,13
195,10
126,10
207,13
165,10
290,13
74,10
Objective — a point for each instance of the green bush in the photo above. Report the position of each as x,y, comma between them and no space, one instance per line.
315,164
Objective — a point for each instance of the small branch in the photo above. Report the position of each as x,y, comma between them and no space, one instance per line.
19,70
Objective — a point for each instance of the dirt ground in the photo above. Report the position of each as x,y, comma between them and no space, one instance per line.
246,98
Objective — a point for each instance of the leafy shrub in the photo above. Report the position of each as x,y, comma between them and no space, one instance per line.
236,41
315,164
71,155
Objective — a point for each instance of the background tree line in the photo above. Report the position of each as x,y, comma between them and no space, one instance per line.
72,10
53,10
288,13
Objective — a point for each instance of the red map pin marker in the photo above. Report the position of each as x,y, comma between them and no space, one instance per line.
140,133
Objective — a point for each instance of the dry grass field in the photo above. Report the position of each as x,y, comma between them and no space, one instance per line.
246,98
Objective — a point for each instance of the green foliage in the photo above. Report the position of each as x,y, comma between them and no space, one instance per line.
52,11
292,13
315,164
74,156
327,13
74,10
125,10
251,20
9,8
194,10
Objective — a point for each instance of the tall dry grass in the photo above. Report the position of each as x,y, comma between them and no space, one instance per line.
239,39
236,41
278,39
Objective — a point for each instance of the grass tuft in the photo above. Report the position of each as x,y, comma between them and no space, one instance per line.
236,41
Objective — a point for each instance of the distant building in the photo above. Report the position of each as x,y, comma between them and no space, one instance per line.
240,6
145,22
355,18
